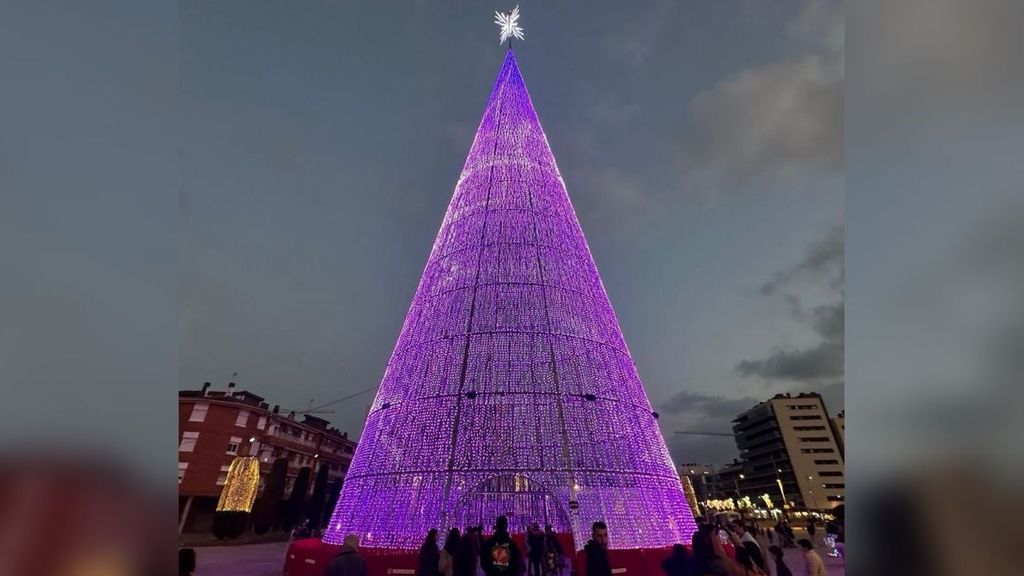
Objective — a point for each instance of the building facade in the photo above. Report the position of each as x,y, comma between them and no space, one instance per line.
789,451
701,477
216,426
839,429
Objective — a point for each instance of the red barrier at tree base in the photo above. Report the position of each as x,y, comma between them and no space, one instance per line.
310,557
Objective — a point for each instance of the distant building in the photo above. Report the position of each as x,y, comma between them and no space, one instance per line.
699,477
215,426
839,429
788,447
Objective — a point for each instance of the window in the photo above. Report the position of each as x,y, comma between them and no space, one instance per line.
188,441
826,461
182,466
222,478
830,473
233,445
801,406
834,486
199,412
805,428
815,439
243,418
262,422
811,417
817,451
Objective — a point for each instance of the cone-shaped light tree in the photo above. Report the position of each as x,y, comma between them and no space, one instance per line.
511,389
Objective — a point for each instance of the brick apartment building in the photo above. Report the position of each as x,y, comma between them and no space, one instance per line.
215,426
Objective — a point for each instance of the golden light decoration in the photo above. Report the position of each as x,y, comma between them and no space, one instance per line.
767,501
726,504
691,497
241,485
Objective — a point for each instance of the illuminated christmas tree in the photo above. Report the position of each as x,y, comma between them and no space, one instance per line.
511,389
237,497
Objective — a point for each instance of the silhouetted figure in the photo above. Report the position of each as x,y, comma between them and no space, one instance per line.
500,556
446,563
746,561
748,541
678,563
552,563
814,565
348,562
467,559
534,549
781,569
429,556
597,551
186,561
709,557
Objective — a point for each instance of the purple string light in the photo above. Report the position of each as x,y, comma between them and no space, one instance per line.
511,389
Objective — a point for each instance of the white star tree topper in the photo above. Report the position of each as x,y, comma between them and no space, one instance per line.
509,24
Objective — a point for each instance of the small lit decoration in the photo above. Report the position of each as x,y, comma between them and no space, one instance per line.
830,543
241,485
691,496
509,24
745,503
511,390
767,501
726,504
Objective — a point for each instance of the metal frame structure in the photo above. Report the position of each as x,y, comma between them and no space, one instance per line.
511,389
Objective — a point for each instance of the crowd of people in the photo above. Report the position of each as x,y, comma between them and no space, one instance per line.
468,553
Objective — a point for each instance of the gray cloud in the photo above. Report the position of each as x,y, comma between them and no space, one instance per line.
823,361
693,411
829,321
775,122
823,257
770,121
713,407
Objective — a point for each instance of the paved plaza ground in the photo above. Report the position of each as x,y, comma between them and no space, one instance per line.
268,559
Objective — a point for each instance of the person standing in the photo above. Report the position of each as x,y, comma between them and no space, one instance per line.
467,559
429,556
534,549
678,563
552,563
709,557
446,563
748,541
348,562
814,565
746,560
811,529
500,556
780,564
597,551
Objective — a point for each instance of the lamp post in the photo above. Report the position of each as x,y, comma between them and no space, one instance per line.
778,480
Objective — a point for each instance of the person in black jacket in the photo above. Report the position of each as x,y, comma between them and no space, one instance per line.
348,562
500,556
597,551
678,564
429,555
781,569
534,549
